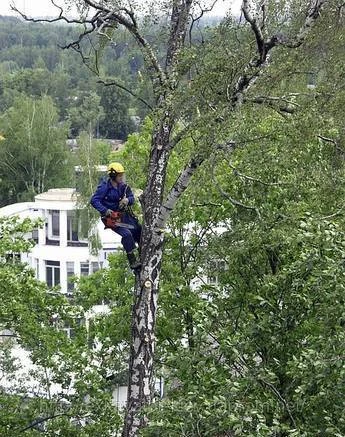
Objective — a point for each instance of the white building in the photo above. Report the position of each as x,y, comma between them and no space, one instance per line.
60,252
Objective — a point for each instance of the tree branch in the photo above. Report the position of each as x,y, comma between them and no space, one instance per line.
42,420
176,191
330,140
312,15
108,17
273,102
280,397
61,17
233,201
250,178
255,27
178,28
255,66
196,19
118,85
339,212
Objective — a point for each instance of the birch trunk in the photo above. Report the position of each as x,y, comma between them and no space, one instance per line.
141,377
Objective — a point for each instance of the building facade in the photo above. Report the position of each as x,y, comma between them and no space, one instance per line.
61,252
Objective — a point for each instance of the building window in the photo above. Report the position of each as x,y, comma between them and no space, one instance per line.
55,215
72,226
214,269
13,257
70,275
53,273
95,266
70,328
84,269
35,235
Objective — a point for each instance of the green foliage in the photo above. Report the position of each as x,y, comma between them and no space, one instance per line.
32,63
258,351
75,376
134,156
87,113
91,153
33,155
116,122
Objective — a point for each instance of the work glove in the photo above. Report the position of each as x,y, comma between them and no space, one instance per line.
123,202
108,212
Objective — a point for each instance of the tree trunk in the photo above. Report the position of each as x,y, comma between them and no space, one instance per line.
143,342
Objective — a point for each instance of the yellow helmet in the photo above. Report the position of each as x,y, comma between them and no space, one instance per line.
115,167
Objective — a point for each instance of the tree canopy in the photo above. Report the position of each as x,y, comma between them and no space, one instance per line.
248,330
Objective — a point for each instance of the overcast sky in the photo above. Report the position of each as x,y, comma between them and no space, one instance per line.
45,8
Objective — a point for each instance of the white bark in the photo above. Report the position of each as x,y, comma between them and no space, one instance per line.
177,190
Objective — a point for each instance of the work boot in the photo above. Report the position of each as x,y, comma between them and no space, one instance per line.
133,262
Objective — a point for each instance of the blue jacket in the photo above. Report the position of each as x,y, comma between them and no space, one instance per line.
108,197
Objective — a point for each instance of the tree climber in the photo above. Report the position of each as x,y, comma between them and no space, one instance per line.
113,199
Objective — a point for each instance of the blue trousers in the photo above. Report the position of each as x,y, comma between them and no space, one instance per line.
129,236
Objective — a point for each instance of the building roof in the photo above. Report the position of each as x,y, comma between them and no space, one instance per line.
58,194
99,168
15,208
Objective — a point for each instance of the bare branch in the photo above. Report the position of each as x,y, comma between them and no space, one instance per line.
206,205
196,19
281,399
42,420
262,99
119,85
108,17
76,44
233,201
330,140
237,203
335,214
251,179
327,140
273,102
61,17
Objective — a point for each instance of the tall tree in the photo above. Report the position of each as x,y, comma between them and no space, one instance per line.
34,155
189,102
116,123
85,116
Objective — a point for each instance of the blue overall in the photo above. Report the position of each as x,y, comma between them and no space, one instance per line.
108,197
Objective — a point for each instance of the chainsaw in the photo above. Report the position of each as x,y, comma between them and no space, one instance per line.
114,221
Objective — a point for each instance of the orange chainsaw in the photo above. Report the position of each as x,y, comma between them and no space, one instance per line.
113,221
